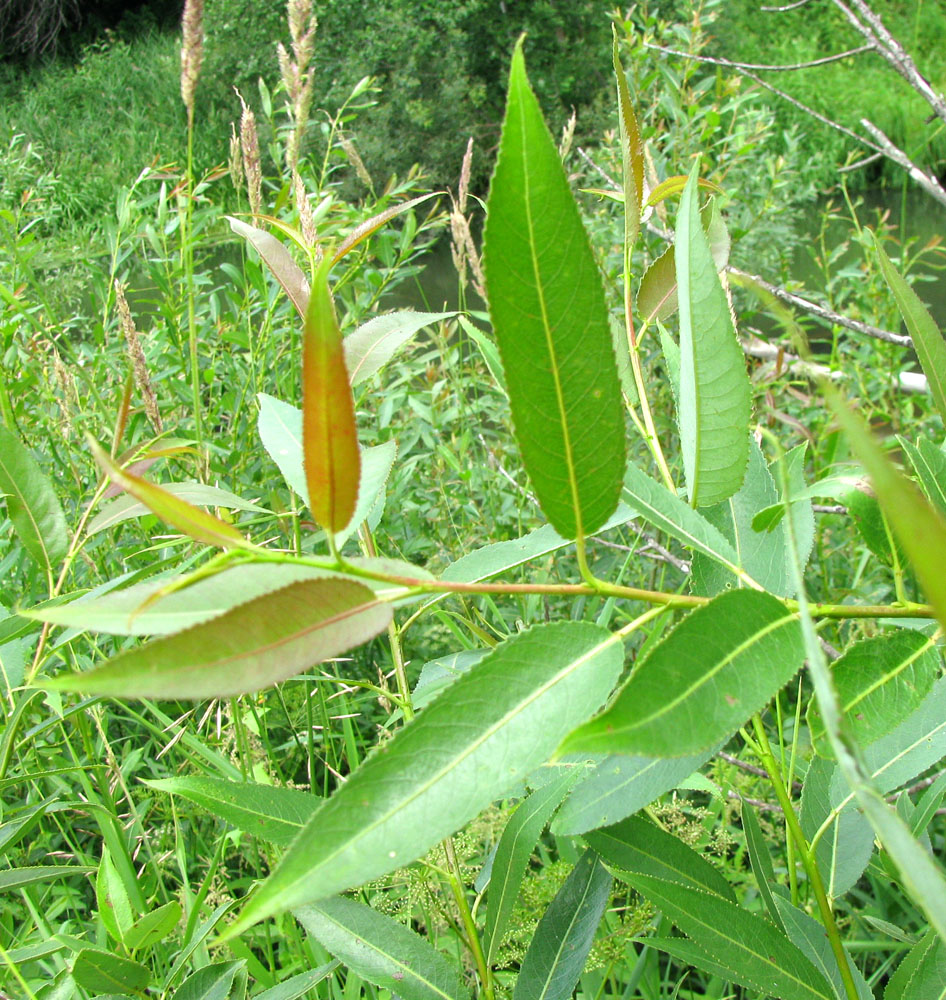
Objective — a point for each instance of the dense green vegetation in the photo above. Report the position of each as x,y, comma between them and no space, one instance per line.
307,607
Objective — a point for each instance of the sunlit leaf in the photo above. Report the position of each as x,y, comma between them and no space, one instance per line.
331,459
249,647
278,259
723,662
715,398
927,340
551,322
188,519
273,814
369,348
488,730
32,504
372,225
632,152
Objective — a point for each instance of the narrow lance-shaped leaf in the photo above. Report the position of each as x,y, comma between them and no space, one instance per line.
249,647
381,950
329,433
188,519
369,348
551,322
723,662
513,852
489,729
632,154
927,339
754,952
32,505
278,259
918,526
715,397
373,224
563,938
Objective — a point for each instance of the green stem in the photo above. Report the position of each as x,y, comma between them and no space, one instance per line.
764,752
187,260
469,925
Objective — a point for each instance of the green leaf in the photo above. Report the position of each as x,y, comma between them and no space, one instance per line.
278,259
620,785
16,878
723,662
761,555
153,926
381,950
113,903
715,398
512,856
491,728
929,463
879,681
490,560
212,982
102,972
188,519
927,340
296,986
490,352
565,934
127,507
669,513
551,322
632,153
369,348
761,861
920,528
32,504
638,846
247,648
273,814
922,974
811,937
752,950
331,458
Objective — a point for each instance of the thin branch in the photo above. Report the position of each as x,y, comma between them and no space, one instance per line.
774,67
788,6
928,182
827,315
880,39
860,163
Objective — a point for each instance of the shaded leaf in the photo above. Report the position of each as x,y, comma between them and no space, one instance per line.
296,986
754,953
761,861
153,926
512,856
563,938
922,974
102,972
381,950
273,814
16,878
723,662
32,504
551,322
715,397
212,982
331,458
620,785
632,153
929,463
636,845
249,647
488,730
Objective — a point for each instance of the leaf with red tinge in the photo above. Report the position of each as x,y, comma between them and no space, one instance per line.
188,519
632,153
329,434
250,647
278,259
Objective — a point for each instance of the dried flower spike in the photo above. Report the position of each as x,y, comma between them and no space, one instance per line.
136,356
192,53
249,144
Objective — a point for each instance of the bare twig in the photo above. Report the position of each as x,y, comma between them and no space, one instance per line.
774,67
927,181
880,39
860,163
788,6
827,314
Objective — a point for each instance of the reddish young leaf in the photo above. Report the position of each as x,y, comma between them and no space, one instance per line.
329,434
188,519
